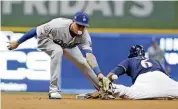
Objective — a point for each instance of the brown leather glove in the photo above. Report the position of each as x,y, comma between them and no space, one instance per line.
94,95
99,95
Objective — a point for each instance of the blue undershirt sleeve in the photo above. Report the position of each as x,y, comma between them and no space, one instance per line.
87,51
28,35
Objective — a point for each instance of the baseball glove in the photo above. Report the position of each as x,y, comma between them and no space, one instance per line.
99,95
105,85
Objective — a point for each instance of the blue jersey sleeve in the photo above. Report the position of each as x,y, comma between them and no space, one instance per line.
121,68
118,70
27,35
124,64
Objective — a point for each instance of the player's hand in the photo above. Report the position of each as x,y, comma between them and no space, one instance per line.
112,77
100,76
13,45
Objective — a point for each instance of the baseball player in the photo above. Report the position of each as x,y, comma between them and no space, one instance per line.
149,78
157,54
62,36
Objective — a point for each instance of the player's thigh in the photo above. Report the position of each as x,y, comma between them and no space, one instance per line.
49,47
171,88
75,56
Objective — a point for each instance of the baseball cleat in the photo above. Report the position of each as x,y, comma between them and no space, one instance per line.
55,95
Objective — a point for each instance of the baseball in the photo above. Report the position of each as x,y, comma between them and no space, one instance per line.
114,77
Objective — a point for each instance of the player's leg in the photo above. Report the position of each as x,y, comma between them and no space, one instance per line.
163,85
146,86
56,53
153,85
138,90
170,86
120,91
76,57
150,85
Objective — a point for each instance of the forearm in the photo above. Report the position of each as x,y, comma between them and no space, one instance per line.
116,71
92,62
91,59
27,35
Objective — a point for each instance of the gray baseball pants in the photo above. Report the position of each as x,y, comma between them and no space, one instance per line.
56,52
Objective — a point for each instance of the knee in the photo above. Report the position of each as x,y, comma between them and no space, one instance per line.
83,62
57,52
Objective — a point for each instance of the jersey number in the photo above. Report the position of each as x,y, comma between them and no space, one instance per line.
146,64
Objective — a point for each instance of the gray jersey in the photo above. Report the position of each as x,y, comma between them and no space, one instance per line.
58,30
156,54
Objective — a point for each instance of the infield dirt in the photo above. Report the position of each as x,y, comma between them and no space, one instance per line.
41,101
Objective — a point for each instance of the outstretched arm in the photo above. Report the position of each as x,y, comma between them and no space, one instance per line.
115,73
119,70
91,59
26,36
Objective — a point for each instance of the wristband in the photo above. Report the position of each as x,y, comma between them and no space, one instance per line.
97,70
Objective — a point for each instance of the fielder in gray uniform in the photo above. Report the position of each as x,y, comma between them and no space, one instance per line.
60,37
